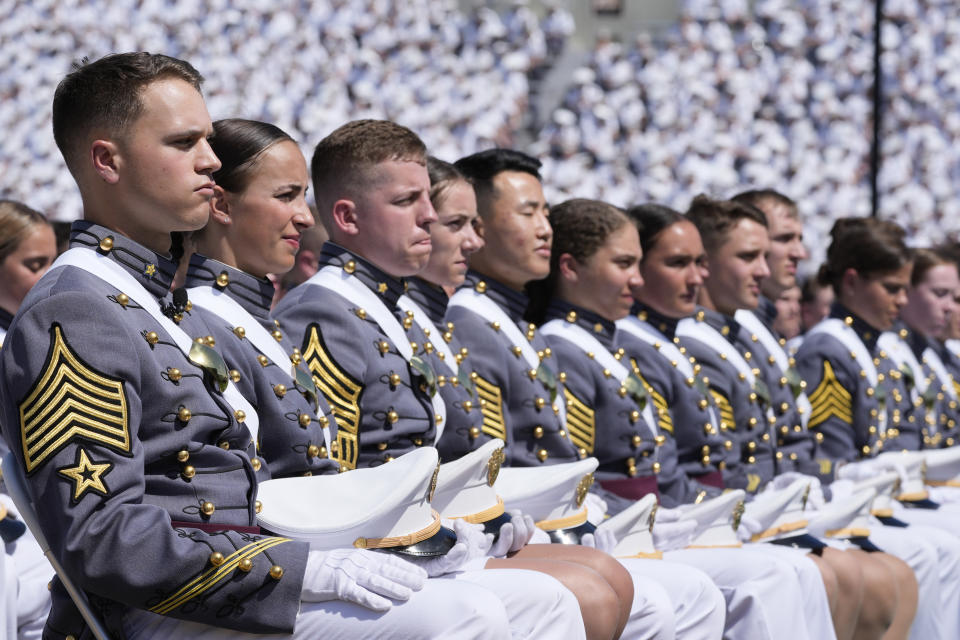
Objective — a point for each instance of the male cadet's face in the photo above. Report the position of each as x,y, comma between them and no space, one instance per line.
603,283
787,322
878,298
271,212
394,216
21,269
165,162
517,229
738,266
786,249
930,303
454,236
673,271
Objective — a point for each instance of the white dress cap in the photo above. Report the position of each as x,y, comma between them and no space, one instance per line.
552,495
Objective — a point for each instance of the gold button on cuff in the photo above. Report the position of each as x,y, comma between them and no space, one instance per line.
276,572
245,565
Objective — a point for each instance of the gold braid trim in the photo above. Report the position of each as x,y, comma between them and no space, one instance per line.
784,528
566,522
401,541
848,532
487,514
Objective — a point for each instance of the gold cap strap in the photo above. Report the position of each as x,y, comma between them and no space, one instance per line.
913,497
566,522
849,532
944,483
487,514
401,541
784,528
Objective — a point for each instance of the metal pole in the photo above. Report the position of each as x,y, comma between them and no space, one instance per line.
877,111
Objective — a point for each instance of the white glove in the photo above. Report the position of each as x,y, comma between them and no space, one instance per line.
471,543
867,469
514,535
668,515
596,508
539,536
944,495
601,539
840,489
669,536
367,578
748,528
815,500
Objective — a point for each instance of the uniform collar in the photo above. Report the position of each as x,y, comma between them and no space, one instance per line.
724,324
153,271
513,302
915,340
599,327
766,312
5,319
429,297
663,324
865,331
388,288
250,292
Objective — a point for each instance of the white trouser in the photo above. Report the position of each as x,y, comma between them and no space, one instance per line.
910,544
813,592
941,527
759,588
696,606
442,609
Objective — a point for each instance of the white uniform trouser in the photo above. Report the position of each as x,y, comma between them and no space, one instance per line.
759,588
813,592
694,608
26,573
941,527
910,544
444,608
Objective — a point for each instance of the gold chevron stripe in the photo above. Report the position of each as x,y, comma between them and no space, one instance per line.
664,419
213,575
581,422
830,399
71,400
341,390
726,411
491,408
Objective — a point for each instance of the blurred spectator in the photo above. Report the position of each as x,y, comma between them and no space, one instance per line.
815,301
787,322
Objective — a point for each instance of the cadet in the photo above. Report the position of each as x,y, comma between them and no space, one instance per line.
857,407
27,249
372,190
516,370
159,553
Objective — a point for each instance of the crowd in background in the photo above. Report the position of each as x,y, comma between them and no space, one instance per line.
777,94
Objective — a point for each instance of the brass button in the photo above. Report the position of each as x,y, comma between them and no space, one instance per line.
183,455
539,402
184,414
538,432
634,416
636,440
383,346
467,405
106,244
362,314
174,374
656,467
474,432
304,420
240,332
234,375
280,390
263,360
207,508
313,451
323,420
392,417
660,440
276,572
224,445
240,415
572,316
395,379
223,279
277,335
245,565
257,506
542,455
152,338
350,266
216,558
582,452
123,299
728,445
480,287
188,472
256,464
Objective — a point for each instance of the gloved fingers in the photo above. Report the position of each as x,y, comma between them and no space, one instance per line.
382,585
588,540
401,571
504,543
368,599
607,540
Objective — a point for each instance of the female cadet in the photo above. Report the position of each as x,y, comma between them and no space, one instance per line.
257,216
859,400
594,268
27,248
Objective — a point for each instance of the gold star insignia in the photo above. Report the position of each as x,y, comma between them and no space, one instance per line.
382,287
86,475
150,270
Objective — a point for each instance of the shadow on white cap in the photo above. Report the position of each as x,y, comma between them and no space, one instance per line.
885,484
846,517
717,520
913,489
553,496
943,467
633,528
465,488
386,507
781,516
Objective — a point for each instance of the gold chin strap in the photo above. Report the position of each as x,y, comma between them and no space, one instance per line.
487,514
913,497
849,532
566,522
944,483
401,541
784,528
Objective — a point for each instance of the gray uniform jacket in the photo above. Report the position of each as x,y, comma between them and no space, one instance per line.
290,435
382,405
847,408
702,447
119,432
742,409
516,403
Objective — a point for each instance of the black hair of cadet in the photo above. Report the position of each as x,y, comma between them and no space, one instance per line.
651,219
867,245
482,167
